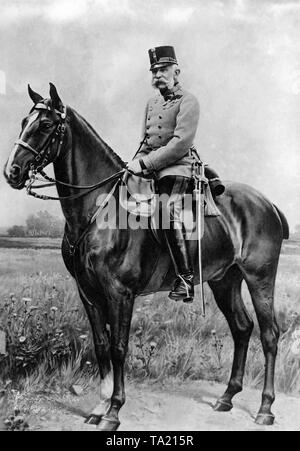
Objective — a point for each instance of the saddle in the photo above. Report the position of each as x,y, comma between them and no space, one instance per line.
138,196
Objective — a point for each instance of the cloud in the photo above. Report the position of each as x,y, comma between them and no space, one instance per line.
178,15
63,10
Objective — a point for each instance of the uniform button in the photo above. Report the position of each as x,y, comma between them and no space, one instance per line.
148,118
159,126
159,137
160,117
148,126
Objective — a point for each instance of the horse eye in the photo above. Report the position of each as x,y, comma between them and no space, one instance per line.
46,125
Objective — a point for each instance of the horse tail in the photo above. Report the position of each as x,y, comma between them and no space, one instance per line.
284,223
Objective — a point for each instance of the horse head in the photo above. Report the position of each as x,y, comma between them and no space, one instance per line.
40,140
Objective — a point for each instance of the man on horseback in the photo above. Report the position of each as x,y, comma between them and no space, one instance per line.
170,125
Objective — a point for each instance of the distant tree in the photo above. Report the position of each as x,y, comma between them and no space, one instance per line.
296,234
17,231
43,224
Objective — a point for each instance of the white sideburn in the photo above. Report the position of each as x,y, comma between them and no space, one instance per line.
106,390
14,151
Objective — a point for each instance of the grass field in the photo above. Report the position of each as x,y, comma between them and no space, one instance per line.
49,340
29,243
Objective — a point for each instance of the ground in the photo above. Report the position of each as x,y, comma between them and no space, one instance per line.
186,347
185,406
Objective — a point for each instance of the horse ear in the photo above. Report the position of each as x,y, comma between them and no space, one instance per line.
56,102
35,97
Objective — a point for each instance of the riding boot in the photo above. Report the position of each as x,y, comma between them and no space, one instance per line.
184,284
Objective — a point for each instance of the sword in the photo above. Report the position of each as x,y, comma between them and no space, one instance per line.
201,181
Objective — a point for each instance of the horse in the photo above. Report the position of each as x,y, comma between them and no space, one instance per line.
113,265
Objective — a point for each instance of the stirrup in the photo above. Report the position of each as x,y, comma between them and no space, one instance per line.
187,297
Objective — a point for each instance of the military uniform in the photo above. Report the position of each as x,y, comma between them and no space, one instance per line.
169,128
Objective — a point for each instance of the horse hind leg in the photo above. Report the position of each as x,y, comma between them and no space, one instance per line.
227,293
121,306
261,283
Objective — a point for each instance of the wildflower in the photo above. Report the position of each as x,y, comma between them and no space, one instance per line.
139,332
88,363
83,337
26,300
153,345
54,309
22,339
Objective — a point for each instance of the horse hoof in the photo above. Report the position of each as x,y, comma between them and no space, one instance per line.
265,419
223,406
93,419
109,425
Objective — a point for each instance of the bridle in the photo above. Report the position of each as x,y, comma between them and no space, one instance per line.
42,155
42,159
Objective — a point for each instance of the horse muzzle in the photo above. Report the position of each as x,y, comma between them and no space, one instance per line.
16,177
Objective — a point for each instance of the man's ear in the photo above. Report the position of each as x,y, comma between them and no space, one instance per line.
177,71
35,97
56,102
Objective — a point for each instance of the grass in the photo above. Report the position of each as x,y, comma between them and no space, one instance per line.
29,243
49,344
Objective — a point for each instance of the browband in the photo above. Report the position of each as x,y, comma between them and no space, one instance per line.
42,106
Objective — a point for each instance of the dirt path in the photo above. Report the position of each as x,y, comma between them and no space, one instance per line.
180,407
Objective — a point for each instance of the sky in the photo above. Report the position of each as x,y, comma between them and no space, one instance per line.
241,58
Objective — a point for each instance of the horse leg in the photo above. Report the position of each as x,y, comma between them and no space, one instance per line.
120,312
98,322
227,293
261,286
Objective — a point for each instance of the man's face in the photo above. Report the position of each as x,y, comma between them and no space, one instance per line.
164,77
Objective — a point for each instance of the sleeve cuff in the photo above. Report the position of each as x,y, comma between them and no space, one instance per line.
147,161
143,166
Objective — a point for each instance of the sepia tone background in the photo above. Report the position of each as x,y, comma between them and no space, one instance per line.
241,58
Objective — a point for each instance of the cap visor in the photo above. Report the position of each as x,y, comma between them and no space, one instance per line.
158,65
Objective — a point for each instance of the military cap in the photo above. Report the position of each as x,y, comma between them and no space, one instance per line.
162,56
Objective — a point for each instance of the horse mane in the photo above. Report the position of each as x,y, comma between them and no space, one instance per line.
109,152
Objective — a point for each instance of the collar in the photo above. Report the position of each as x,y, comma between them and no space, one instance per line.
169,94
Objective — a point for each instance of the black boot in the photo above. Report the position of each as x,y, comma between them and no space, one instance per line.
183,288
184,284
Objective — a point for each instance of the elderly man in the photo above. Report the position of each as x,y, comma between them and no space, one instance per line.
170,125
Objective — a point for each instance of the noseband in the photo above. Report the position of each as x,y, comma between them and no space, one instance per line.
43,154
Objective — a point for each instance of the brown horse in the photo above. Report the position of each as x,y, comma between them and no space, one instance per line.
112,266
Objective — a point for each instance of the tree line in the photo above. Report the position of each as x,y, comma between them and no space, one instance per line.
41,224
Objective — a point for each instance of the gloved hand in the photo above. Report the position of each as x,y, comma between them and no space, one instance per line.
135,167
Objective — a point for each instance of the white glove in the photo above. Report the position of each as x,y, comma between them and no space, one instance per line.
135,167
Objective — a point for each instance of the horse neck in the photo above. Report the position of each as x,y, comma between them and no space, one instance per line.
85,160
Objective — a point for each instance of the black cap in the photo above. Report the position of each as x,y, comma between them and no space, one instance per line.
162,56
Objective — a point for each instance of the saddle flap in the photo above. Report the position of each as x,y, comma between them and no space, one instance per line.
139,188
137,195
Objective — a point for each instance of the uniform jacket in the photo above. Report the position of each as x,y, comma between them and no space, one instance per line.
169,129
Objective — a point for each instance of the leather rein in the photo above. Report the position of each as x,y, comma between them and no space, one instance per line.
42,157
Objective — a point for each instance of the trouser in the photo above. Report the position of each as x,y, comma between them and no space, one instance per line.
176,187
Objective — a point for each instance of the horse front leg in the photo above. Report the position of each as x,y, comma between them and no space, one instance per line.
120,313
98,320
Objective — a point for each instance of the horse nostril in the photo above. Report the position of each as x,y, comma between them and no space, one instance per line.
15,172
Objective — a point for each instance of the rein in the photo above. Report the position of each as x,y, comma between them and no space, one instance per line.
54,182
